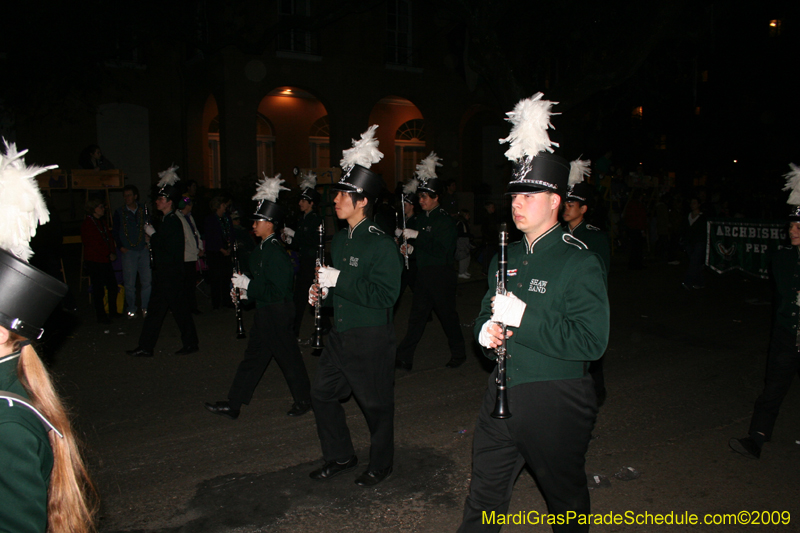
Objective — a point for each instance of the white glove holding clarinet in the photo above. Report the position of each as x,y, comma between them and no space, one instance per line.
508,310
313,294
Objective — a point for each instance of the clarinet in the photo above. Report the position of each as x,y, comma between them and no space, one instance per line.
316,340
149,247
501,409
405,240
237,304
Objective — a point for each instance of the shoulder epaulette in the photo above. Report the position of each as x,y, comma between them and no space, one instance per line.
593,228
14,399
569,238
376,230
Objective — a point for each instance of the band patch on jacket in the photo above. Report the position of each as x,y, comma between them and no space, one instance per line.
353,261
538,285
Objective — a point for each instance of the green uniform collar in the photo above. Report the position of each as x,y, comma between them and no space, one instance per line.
544,241
352,231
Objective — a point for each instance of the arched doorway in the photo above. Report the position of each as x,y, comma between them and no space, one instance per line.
402,138
299,132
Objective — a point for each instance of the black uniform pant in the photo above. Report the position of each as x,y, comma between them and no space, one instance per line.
271,337
550,429
303,280
434,289
167,295
783,364
220,270
101,275
359,361
190,284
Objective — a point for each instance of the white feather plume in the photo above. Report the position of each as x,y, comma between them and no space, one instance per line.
22,206
168,177
426,169
578,171
309,180
793,184
411,186
364,151
269,188
531,120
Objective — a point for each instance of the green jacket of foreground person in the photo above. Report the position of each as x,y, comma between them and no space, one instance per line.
566,320
26,460
272,273
361,300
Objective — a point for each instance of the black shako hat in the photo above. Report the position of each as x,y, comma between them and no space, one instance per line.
27,296
361,180
432,186
311,195
580,192
545,172
269,211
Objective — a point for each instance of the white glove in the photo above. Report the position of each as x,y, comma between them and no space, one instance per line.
328,277
242,294
508,310
312,295
409,233
489,338
289,232
240,281
149,229
406,249
398,232
485,338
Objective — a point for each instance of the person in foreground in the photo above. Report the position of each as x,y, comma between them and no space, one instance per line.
557,317
44,485
783,361
270,285
362,284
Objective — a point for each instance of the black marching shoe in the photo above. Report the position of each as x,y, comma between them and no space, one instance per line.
140,352
455,363
746,447
299,409
372,477
402,365
186,350
224,409
332,469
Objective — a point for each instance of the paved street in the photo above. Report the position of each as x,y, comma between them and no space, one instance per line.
682,370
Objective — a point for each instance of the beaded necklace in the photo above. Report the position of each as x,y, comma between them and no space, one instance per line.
139,222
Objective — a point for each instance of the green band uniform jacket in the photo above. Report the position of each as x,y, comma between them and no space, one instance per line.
436,243
596,240
369,281
272,273
306,237
566,321
786,279
26,459
167,244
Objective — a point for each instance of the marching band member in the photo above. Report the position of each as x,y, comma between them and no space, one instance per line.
362,284
44,485
558,318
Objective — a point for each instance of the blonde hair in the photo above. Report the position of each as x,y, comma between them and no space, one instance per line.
71,496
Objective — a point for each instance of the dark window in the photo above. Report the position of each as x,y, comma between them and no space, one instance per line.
294,37
398,32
